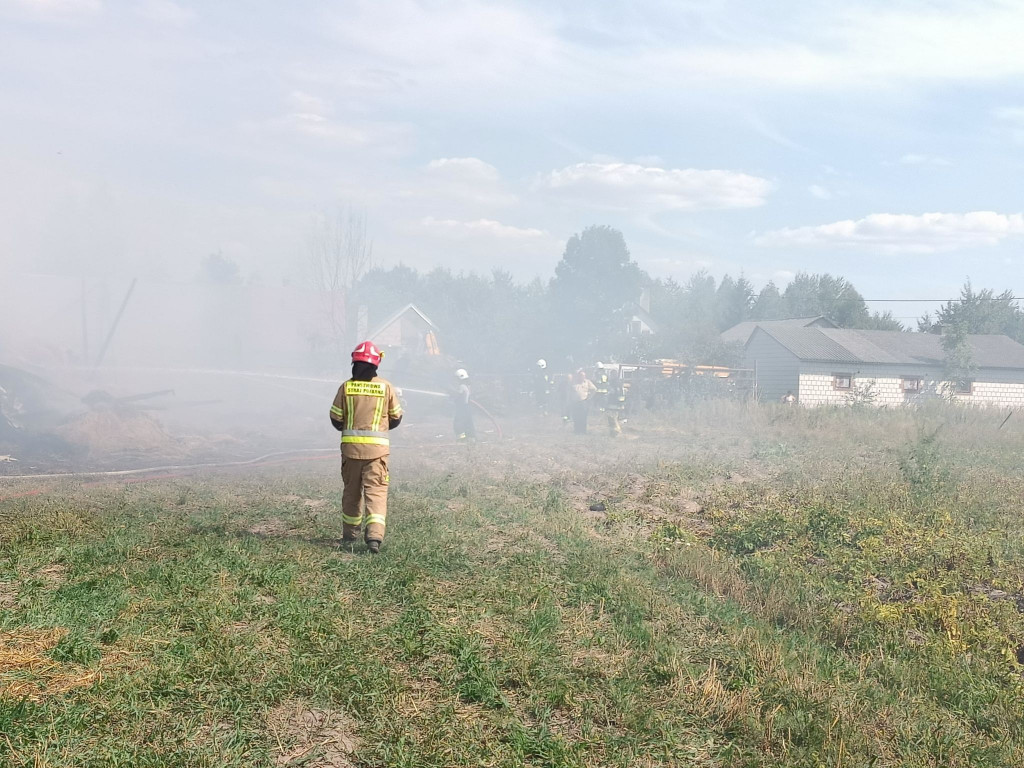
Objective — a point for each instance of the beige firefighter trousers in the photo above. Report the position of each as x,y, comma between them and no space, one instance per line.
365,480
614,426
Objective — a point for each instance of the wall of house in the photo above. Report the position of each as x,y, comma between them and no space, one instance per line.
414,332
877,385
389,336
407,332
1007,392
882,386
776,368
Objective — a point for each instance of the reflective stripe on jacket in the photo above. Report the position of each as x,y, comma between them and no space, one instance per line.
362,409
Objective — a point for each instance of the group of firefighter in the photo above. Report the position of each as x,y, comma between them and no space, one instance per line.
576,394
366,408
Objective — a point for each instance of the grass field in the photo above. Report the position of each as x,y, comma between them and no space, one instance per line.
761,588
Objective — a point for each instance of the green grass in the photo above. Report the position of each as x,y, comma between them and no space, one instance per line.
768,588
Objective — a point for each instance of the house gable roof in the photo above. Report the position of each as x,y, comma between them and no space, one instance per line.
639,313
397,316
741,332
845,345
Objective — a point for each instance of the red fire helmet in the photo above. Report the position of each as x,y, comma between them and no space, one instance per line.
367,352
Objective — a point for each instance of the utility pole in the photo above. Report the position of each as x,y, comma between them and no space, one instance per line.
117,321
85,326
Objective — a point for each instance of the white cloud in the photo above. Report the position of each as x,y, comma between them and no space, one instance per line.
472,185
310,116
820,192
461,230
463,169
486,244
918,159
904,233
382,137
655,160
782,277
628,186
519,53
323,127
474,77
836,45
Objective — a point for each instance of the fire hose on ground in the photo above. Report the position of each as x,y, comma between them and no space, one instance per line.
176,471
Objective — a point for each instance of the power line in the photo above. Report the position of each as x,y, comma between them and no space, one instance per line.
990,298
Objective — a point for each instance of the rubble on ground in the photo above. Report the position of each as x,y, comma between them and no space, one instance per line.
118,431
42,423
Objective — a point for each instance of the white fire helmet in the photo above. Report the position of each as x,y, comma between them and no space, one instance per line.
542,363
462,374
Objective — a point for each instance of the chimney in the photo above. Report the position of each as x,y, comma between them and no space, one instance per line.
645,300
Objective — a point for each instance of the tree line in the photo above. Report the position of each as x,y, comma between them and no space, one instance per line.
582,314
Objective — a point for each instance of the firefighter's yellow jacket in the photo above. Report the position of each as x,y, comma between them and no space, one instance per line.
363,411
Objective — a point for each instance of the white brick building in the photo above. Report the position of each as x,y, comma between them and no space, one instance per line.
833,366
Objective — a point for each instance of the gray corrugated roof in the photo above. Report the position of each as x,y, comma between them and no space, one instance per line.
843,345
866,347
810,344
741,331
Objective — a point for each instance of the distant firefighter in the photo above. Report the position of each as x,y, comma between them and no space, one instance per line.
563,390
465,429
581,392
615,407
601,382
365,409
542,385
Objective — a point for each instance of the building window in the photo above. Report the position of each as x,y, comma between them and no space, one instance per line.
964,387
842,381
913,384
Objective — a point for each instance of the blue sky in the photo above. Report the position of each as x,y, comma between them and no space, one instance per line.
878,140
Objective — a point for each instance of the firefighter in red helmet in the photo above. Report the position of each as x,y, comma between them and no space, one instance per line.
365,409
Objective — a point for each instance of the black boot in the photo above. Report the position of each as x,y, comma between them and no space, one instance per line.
373,545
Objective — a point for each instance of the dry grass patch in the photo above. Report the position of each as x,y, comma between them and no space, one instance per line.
240,627
272,526
420,695
306,502
27,672
725,706
312,737
563,722
54,575
494,631
266,639
8,594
